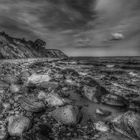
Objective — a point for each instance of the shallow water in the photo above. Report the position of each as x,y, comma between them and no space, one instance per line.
89,109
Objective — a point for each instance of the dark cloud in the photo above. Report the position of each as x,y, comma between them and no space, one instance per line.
75,25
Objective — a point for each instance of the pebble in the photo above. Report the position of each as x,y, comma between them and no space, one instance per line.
11,101
41,95
6,106
14,88
101,126
102,112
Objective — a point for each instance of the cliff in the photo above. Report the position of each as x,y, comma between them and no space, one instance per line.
16,48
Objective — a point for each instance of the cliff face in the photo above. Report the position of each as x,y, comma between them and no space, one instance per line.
15,48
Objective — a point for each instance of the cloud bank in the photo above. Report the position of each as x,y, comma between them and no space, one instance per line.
77,27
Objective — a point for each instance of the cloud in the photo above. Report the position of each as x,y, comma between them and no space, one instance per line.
74,25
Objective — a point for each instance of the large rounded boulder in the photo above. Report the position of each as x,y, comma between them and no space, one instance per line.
128,124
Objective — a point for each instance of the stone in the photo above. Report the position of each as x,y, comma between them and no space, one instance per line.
104,113
101,126
14,88
92,90
53,99
41,95
70,82
2,91
128,124
38,78
117,36
17,125
66,115
6,106
89,93
24,76
31,105
114,100
69,72
110,66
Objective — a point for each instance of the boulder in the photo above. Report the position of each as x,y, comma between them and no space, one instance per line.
38,78
67,114
128,124
53,99
114,100
17,125
92,90
31,105
93,93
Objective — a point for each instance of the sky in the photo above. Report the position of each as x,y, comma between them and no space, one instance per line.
77,27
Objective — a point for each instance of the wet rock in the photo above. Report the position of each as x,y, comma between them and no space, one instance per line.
114,100
48,85
128,124
133,74
41,95
92,93
24,76
2,91
92,90
6,106
70,82
110,66
54,99
14,88
69,72
38,78
67,114
102,112
31,104
101,126
17,125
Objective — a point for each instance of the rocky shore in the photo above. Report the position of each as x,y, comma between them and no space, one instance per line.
65,100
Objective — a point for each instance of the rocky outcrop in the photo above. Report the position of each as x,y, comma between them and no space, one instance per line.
15,48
